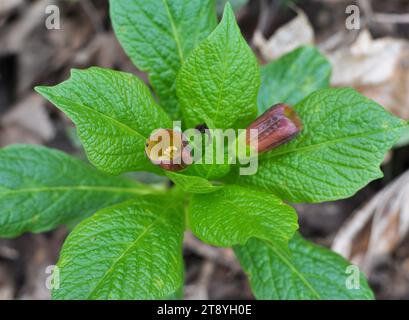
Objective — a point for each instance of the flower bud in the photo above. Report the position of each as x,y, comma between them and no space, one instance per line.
169,149
278,125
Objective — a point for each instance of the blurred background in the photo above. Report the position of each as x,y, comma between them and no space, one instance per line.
371,228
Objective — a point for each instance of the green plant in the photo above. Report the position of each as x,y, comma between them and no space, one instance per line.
129,244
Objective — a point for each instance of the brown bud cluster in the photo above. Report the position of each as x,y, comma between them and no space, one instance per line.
278,125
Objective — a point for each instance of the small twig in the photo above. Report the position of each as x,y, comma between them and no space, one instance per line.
220,256
390,18
90,11
206,274
367,9
200,289
8,253
371,16
264,16
332,42
267,13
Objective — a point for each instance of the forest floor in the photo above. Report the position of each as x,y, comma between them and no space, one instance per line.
366,228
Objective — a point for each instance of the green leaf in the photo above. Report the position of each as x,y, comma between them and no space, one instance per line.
213,169
130,251
208,171
114,113
311,272
404,139
158,36
42,188
192,184
344,140
218,84
177,295
292,77
233,214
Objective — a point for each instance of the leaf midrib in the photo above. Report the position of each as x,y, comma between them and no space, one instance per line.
276,229
174,31
123,254
78,188
294,269
221,90
131,246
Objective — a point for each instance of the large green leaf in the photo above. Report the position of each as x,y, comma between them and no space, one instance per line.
233,214
219,82
130,251
192,184
344,140
311,272
158,35
114,113
292,77
42,188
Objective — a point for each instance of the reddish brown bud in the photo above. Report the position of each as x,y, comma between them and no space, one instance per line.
276,126
169,149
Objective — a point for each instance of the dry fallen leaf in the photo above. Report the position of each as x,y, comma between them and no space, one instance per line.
393,94
366,61
6,6
26,122
296,33
6,284
378,228
41,51
378,68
